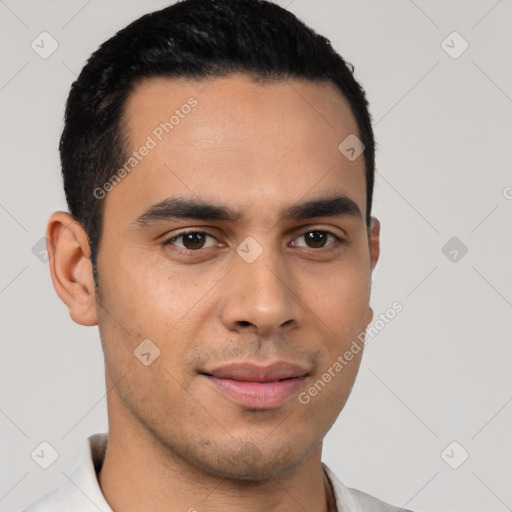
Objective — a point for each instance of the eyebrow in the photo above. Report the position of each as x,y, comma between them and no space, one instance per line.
186,208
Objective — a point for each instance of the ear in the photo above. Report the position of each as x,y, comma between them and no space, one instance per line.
374,247
374,241
71,267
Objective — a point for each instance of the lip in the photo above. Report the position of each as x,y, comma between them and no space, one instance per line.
255,386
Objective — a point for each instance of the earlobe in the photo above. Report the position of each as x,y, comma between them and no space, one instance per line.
71,268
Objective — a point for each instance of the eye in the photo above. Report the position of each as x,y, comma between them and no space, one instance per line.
317,239
191,241
195,241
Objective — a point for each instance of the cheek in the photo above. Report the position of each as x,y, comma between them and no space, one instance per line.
158,303
329,389
340,297
148,297
341,312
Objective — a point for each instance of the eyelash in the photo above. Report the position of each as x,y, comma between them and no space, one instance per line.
333,246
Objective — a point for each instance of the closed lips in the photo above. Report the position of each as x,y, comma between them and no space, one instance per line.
250,372
257,387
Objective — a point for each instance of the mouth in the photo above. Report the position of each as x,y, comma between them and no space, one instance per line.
258,387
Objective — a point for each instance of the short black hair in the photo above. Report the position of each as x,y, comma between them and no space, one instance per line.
196,39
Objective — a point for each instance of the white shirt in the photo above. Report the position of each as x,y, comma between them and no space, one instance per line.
82,492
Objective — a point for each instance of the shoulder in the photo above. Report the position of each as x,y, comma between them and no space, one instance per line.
353,500
371,504
53,501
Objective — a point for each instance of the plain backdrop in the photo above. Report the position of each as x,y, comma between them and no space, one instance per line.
437,374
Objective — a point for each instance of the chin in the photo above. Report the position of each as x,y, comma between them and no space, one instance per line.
244,460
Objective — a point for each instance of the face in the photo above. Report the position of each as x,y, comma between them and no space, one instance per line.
237,245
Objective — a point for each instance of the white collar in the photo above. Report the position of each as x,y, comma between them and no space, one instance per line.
81,491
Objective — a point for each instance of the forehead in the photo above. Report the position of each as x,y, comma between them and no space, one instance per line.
233,138
286,107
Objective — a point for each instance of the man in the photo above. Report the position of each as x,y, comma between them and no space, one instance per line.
218,163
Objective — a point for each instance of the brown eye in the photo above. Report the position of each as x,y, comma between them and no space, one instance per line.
191,241
317,239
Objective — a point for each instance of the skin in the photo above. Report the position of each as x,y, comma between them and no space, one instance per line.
176,442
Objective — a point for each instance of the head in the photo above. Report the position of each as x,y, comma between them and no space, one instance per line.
213,213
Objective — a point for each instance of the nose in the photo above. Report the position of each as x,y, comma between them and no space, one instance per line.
259,297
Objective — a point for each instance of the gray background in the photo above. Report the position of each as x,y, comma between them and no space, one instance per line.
439,372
